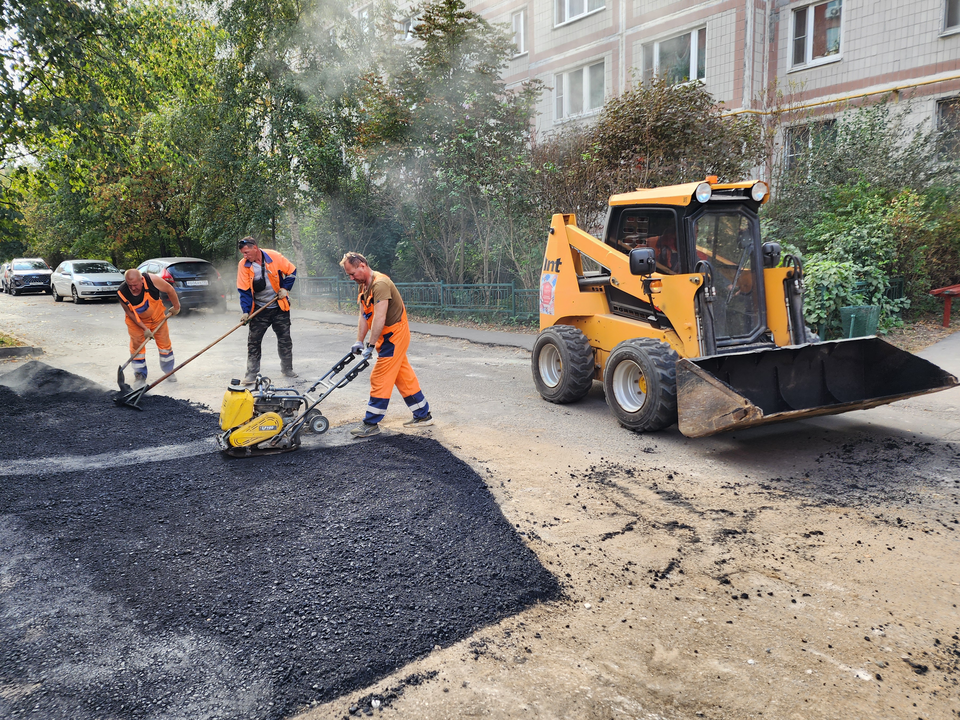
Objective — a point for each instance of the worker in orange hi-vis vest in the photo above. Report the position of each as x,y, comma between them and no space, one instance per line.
142,302
384,317
265,277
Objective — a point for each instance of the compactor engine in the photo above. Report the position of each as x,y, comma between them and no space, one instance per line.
252,418
688,317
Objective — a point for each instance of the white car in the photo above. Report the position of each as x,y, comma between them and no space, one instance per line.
85,280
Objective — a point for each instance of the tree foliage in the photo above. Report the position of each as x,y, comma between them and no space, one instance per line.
869,194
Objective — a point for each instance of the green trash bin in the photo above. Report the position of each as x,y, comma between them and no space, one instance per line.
859,320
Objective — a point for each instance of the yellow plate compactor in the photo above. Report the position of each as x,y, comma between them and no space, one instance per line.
269,420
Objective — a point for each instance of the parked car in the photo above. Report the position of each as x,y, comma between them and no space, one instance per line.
28,275
85,280
197,282
4,271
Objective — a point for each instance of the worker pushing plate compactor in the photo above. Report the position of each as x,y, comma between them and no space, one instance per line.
269,419
688,317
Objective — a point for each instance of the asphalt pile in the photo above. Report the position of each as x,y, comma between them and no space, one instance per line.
232,588
50,412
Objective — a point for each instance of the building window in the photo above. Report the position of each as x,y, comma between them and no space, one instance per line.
677,60
568,10
520,32
579,91
802,140
948,123
816,32
952,15
365,20
405,33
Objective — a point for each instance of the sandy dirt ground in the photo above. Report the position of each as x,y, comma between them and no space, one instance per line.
804,570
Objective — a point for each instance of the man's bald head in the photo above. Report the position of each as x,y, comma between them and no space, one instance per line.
134,280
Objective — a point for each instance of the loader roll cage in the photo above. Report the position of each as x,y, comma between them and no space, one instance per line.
725,232
728,237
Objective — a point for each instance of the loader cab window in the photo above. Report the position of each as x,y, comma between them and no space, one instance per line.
729,240
656,229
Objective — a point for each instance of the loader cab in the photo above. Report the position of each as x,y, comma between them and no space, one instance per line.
629,228
724,232
727,236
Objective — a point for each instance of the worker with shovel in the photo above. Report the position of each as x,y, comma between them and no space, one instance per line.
140,297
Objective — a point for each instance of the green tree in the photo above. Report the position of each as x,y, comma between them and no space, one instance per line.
278,142
447,136
91,199
661,134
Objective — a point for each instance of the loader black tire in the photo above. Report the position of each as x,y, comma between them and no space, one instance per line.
563,364
640,382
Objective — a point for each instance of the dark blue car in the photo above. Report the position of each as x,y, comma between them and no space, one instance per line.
197,282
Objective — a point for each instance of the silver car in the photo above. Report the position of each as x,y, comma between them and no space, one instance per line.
85,280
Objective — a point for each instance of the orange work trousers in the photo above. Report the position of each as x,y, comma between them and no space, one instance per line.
392,369
161,336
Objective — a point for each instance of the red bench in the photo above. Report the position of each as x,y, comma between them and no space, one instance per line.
947,293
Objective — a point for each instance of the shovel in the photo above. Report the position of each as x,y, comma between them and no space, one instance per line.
132,398
121,381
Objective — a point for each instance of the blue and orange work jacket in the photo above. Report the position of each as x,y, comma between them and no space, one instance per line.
281,272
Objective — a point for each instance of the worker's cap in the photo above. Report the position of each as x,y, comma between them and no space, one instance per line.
245,241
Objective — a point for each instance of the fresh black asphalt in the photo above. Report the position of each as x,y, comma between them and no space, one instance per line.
210,587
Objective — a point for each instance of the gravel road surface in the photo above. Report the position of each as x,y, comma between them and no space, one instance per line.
803,570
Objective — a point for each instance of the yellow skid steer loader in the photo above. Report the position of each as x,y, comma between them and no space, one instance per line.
688,317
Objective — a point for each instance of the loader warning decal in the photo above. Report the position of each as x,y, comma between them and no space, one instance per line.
548,286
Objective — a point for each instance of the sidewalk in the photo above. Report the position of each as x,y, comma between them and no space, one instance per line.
481,337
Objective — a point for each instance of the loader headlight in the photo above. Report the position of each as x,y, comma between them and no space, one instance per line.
759,191
703,193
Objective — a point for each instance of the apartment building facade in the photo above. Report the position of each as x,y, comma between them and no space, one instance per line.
822,56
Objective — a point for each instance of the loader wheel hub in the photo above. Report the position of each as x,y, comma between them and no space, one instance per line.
630,386
551,366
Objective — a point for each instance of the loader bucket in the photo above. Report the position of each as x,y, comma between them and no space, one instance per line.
741,390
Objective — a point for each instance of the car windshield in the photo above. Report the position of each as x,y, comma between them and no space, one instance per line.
191,269
94,267
30,265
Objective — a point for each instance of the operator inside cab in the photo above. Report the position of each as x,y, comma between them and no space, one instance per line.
655,229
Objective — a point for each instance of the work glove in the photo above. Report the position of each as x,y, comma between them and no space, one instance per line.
244,318
283,293
148,333
367,352
357,348
173,311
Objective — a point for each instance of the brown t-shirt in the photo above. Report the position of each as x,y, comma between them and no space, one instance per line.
382,288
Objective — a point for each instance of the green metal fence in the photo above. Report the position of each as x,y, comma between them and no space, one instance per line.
442,298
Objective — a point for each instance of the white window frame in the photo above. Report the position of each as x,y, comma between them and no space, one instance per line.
813,131
694,35
561,10
406,30
561,92
949,5
952,132
365,20
518,22
808,59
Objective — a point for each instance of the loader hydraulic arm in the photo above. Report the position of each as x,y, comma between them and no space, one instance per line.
579,295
